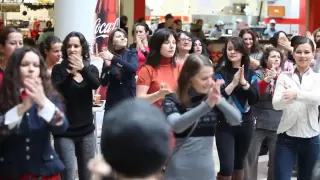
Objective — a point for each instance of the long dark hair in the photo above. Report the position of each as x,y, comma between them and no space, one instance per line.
46,44
204,47
226,69
11,84
83,42
191,67
274,39
156,41
255,46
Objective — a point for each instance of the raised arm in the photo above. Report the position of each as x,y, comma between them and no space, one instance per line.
230,113
181,122
129,65
277,100
91,75
60,77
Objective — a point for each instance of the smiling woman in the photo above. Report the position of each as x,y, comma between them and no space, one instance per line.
75,79
297,95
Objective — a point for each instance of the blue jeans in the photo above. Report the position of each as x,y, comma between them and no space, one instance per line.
76,151
288,149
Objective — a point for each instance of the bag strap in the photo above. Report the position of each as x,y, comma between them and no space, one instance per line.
241,108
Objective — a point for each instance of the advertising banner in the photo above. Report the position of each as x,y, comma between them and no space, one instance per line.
107,19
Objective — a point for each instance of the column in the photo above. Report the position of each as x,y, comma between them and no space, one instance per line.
139,9
74,15
314,21
128,10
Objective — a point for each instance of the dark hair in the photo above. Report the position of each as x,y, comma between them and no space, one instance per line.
190,68
11,84
48,23
156,41
5,33
204,47
168,16
123,18
111,36
274,39
140,20
266,55
303,40
255,47
135,144
177,21
47,43
315,34
227,67
29,42
198,21
83,42
146,28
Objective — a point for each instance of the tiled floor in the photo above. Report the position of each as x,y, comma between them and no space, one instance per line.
262,172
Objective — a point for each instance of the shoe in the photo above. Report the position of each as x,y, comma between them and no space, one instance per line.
220,177
237,175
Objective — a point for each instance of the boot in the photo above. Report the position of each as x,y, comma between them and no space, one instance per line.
220,177
237,175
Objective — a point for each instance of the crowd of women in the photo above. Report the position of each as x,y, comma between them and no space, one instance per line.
254,94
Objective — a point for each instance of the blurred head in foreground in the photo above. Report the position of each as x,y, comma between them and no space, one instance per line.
135,140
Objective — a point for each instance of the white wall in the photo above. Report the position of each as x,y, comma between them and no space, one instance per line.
74,15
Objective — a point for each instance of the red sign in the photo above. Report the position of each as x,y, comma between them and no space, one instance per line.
107,19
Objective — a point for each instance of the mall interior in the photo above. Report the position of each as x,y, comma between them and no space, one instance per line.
291,16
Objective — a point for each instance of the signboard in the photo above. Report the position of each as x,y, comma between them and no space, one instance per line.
106,19
11,1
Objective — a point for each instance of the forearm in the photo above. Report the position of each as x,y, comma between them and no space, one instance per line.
229,89
180,122
151,97
230,113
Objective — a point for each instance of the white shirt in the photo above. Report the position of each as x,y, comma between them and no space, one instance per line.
300,117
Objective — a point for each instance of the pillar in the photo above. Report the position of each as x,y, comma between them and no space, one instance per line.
74,15
139,9
314,20
128,10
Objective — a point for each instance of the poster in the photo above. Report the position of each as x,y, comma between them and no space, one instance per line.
106,19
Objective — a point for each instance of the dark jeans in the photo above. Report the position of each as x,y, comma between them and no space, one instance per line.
76,151
288,149
233,145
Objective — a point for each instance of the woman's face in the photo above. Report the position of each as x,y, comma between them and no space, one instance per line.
30,66
317,36
303,55
233,55
54,54
274,60
13,42
248,40
168,47
119,40
202,81
282,36
184,43
197,47
74,47
141,32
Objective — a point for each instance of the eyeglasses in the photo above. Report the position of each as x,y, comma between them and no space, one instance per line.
185,40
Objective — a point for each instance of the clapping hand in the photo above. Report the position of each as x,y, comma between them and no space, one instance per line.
75,63
214,95
164,90
107,57
35,92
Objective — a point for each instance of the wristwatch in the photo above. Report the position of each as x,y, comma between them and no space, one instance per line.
245,84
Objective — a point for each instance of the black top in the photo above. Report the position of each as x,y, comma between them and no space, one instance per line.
207,123
78,98
246,98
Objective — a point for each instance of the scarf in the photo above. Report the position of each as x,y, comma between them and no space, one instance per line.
272,82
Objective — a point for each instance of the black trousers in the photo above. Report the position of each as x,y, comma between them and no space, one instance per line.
233,144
